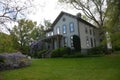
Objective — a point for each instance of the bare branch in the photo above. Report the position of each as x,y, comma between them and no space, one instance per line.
93,9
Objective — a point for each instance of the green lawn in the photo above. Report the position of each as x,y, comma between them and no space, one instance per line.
94,68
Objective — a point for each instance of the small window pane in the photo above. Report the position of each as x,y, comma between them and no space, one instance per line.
64,29
58,30
90,32
71,27
91,42
87,41
71,39
52,33
86,31
48,34
65,41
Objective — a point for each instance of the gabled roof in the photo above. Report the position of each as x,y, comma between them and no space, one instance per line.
76,17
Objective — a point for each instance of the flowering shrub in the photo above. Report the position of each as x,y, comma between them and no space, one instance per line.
36,47
14,60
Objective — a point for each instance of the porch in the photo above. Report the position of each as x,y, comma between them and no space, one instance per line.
53,42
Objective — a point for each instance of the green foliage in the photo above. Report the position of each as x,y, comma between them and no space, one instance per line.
6,43
76,42
59,52
1,60
65,50
96,50
74,55
47,24
95,68
56,53
37,33
25,33
40,53
113,22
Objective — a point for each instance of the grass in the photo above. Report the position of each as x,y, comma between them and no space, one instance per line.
94,68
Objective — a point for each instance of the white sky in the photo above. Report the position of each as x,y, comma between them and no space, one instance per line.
49,10
45,10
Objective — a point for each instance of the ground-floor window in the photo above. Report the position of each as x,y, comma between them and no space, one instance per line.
91,42
71,40
65,41
87,41
95,42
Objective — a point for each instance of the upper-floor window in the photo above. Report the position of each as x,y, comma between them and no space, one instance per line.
93,31
48,34
86,30
91,42
51,33
71,27
64,28
90,31
58,30
95,42
64,19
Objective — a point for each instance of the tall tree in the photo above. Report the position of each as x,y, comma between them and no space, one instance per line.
22,32
37,33
113,22
93,9
6,43
47,24
10,10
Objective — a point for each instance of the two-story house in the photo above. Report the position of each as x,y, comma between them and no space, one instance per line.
65,26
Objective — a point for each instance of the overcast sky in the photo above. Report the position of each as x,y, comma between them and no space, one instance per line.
49,10
45,10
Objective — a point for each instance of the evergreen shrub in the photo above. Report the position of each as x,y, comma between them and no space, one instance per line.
40,53
59,52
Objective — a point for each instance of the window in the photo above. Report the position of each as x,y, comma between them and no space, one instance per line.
51,33
71,27
65,41
58,30
91,42
87,41
64,29
64,19
71,40
48,34
86,31
90,32
94,32
95,42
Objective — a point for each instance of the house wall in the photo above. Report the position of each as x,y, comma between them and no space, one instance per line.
92,33
79,29
66,22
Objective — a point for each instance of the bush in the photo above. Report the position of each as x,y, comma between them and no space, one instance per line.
14,60
56,53
1,59
59,52
65,50
96,50
74,55
40,53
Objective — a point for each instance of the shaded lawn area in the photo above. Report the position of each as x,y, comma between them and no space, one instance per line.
91,68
